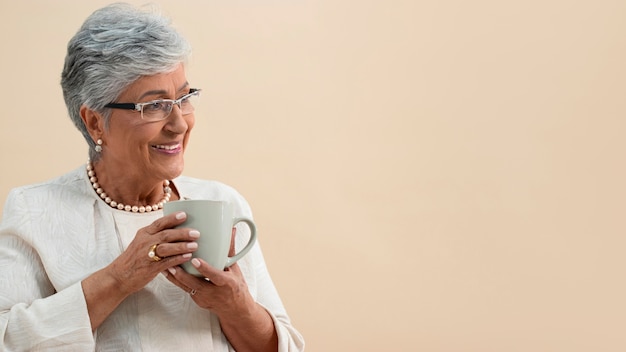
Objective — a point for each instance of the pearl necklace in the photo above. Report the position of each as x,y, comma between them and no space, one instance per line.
91,172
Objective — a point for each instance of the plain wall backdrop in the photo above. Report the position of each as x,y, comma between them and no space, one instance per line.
425,175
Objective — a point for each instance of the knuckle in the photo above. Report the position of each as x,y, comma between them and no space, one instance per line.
159,223
164,236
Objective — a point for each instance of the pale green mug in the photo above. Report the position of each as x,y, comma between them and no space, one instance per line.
215,221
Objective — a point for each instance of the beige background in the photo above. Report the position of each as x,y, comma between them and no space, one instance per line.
425,175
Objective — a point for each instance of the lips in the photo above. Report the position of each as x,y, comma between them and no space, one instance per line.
168,148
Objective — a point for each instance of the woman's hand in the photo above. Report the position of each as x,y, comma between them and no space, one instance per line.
105,289
246,324
134,268
223,292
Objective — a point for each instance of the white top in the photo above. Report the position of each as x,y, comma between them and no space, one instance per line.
56,233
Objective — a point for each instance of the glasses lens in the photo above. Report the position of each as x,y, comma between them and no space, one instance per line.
156,110
187,105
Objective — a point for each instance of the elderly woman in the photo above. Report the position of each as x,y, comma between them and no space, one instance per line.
74,266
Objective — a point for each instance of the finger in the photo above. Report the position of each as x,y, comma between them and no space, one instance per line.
231,251
163,263
177,235
187,282
166,222
216,276
166,249
171,274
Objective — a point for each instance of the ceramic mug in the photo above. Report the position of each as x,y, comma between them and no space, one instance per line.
215,221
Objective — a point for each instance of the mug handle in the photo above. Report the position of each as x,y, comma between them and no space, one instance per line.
232,260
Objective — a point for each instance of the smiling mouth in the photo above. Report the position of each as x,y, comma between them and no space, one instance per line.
168,148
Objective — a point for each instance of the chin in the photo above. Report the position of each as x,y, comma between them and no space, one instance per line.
176,171
167,170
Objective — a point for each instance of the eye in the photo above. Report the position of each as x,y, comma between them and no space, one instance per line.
155,106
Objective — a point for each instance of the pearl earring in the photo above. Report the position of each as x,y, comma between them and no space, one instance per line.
98,147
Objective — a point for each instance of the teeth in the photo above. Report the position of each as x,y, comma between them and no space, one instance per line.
167,147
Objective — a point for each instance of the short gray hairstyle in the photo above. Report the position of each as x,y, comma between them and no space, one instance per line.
115,46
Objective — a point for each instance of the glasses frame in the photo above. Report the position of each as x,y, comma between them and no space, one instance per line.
139,106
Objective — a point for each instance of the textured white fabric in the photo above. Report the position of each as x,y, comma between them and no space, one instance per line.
56,233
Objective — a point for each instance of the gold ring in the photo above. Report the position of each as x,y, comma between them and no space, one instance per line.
152,253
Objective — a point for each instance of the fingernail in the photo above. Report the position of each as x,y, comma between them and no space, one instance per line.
172,271
194,234
192,245
195,262
181,215
187,255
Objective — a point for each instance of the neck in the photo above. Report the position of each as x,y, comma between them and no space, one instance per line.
126,194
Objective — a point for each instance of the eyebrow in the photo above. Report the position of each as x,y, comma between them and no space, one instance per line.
161,91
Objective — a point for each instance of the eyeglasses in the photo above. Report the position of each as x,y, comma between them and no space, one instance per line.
158,110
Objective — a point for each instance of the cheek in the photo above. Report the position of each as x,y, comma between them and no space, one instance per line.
190,123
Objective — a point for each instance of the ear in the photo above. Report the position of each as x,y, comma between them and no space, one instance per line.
93,122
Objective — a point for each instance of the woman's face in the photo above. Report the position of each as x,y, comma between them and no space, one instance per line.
149,151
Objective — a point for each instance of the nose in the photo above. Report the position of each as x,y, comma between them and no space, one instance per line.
176,122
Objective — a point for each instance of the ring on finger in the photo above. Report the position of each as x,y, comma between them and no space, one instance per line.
152,253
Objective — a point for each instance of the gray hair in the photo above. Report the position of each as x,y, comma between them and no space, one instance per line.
115,46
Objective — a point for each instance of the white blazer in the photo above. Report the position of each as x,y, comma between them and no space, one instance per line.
55,234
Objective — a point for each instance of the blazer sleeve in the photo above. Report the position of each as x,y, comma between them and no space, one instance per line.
33,316
262,287
289,339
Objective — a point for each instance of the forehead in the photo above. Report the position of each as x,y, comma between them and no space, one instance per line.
162,85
